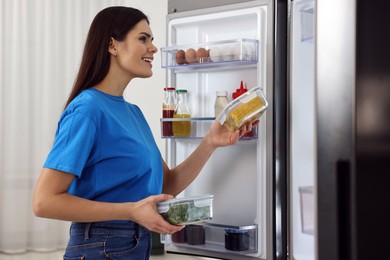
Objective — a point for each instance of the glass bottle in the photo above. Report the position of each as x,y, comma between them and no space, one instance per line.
221,102
168,109
181,128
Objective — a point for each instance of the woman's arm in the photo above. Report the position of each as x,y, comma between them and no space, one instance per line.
179,177
51,200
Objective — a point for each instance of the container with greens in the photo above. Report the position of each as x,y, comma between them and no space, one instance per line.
183,211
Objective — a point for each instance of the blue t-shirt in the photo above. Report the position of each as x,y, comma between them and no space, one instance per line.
107,143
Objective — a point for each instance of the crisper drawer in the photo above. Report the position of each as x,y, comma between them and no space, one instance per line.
210,54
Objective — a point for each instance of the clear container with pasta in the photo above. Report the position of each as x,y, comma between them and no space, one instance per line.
246,108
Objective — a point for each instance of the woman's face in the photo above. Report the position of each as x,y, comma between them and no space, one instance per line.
135,53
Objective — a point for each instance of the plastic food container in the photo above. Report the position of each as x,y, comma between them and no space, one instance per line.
187,210
246,108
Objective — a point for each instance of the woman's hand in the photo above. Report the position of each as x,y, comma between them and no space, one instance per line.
145,214
221,136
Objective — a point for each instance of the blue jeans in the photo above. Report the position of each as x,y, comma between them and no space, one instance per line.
108,241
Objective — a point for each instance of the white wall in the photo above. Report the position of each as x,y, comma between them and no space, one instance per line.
41,44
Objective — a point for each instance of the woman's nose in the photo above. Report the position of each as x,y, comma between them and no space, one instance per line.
152,48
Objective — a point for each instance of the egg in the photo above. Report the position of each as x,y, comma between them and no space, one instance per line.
180,57
238,51
191,56
215,54
202,55
250,53
227,53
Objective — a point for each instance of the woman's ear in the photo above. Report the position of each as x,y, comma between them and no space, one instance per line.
112,48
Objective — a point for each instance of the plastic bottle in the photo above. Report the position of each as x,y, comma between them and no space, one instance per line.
220,102
181,128
168,109
239,91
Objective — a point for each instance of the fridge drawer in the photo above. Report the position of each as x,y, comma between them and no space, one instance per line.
211,54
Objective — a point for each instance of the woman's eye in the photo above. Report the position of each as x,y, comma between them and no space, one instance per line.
143,39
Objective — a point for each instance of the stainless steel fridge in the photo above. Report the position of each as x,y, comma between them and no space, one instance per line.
293,188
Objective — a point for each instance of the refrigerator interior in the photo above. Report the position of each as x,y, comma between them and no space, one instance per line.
302,131
238,176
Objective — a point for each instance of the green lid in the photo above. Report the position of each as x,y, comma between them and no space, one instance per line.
181,91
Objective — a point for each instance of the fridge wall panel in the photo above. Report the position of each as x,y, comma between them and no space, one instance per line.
201,104
229,176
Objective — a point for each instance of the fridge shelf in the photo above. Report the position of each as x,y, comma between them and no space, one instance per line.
197,128
210,55
215,237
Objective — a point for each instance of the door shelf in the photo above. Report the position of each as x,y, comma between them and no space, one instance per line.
210,55
197,126
215,237
307,209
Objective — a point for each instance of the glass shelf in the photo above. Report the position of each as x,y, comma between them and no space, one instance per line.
220,54
215,237
199,127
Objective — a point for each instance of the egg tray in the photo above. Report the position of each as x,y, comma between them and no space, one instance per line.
215,53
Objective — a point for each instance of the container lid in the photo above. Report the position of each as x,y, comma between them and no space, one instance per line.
181,91
239,91
221,93
170,88
199,201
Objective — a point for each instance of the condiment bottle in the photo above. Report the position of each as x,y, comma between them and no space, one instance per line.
168,109
221,102
181,128
235,95
239,91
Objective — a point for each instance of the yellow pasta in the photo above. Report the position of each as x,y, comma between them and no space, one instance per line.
244,113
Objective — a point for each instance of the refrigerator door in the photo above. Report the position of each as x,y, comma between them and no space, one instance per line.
353,129
241,176
302,130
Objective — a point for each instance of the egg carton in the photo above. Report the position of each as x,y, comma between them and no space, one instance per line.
212,53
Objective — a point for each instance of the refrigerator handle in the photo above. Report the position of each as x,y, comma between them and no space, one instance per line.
344,207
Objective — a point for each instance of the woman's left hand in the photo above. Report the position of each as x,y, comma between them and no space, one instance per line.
221,136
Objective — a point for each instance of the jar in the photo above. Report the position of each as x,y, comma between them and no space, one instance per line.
236,240
168,109
196,235
221,102
182,110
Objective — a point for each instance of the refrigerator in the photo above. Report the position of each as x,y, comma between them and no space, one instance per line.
258,193
310,182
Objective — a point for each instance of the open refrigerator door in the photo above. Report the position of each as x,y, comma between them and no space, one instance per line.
210,50
302,131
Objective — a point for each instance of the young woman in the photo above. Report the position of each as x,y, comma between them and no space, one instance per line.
105,172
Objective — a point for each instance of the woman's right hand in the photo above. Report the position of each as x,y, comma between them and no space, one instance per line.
145,214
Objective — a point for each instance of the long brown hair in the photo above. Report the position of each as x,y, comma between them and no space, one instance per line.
113,22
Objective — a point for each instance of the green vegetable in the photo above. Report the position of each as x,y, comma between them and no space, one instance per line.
186,213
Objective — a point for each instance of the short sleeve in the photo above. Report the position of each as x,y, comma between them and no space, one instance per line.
73,145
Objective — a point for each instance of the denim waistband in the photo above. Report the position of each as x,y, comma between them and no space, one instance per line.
107,228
